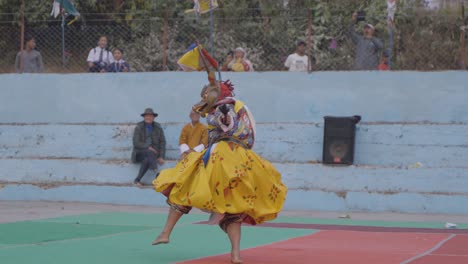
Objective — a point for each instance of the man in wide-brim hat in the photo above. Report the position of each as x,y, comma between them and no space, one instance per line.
149,144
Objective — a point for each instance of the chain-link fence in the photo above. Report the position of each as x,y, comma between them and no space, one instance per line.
424,40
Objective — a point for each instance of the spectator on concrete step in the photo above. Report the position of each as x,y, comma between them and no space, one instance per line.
194,136
149,145
32,59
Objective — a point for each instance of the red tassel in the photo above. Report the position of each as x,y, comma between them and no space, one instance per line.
210,59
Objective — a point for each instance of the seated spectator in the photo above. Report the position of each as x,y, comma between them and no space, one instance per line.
100,58
298,61
229,57
149,144
119,64
383,66
194,136
32,59
240,63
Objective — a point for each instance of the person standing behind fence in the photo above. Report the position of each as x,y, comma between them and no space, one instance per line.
368,47
298,61
240,63
100,57
119,64
32,59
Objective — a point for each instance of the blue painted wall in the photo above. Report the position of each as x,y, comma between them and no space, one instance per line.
411,147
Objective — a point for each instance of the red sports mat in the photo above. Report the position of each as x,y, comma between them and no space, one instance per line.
338,247
454,251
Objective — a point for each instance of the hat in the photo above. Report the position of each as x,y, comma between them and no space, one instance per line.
149,111
369,26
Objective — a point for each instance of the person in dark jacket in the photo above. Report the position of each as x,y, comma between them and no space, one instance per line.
149,144
368,47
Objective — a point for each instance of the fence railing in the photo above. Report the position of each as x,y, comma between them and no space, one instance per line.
425,43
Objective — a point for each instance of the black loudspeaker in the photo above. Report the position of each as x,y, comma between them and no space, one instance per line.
338,139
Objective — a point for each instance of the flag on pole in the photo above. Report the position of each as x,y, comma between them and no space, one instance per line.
65,6
193,59
203,6
391,9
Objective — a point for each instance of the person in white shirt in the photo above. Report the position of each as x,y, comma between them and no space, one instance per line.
100,57
298,61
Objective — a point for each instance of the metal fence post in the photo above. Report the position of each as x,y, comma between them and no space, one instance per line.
309,41
211,27
63,41
462,36
21,67
390,46
164,44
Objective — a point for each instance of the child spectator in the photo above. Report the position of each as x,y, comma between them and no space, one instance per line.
119,64
99,57
32,59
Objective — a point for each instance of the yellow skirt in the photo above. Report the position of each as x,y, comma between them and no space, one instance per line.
234,180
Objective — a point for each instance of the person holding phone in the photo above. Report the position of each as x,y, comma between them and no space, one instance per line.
368,47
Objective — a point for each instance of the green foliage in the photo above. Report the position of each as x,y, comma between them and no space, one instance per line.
268,29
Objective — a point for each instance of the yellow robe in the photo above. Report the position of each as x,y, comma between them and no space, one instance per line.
194,135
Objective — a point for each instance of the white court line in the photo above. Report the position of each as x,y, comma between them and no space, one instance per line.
429,251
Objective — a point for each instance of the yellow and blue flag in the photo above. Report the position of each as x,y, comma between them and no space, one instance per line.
203,6
196,58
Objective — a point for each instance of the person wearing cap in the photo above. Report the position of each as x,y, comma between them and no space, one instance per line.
368,47
32,59
240,63
194,136
149,144
298,61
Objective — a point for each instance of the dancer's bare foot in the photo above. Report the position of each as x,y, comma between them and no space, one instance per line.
161,239
235,257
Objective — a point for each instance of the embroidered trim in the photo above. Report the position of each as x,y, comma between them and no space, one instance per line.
179,208
229,219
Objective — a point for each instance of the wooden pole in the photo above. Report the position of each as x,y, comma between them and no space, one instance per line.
164,46
22,37
462,37
309,41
